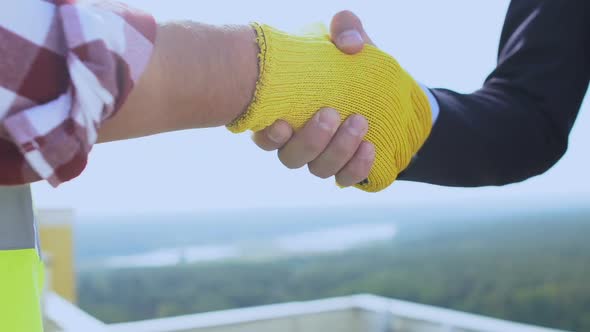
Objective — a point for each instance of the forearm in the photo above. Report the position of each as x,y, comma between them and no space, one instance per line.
199,76
494,136
517,125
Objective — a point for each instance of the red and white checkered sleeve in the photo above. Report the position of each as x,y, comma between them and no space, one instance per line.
65,67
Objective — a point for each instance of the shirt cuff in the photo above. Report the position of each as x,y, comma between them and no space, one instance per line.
434,108
90,58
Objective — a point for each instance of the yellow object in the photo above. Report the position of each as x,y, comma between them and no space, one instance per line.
21,288
57,243
301,74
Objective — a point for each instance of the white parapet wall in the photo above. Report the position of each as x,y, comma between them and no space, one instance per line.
62,316
360,313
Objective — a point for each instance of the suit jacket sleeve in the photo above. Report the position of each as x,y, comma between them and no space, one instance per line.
517,125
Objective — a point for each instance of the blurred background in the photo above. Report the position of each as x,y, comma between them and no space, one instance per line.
159,233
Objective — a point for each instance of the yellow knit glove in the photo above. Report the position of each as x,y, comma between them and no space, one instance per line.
301,74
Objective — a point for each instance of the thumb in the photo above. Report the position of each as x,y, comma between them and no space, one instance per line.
348,33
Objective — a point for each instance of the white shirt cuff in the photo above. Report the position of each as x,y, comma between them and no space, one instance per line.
434,108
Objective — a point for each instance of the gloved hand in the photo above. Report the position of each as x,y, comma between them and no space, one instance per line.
301,74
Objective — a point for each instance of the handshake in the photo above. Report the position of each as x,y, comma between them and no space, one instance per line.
373,116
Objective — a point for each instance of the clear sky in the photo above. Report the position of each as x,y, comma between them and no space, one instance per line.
450,44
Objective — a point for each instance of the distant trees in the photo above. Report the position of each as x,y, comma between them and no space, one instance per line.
532,271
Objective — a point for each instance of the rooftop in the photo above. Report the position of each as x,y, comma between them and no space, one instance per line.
366,313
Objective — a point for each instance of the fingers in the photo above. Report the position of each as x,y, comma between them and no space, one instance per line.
273,137
348,33
341,149
327,147
311,140
358,168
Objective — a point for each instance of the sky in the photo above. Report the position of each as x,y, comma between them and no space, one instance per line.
450,44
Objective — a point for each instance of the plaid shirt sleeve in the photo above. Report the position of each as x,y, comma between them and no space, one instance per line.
65,67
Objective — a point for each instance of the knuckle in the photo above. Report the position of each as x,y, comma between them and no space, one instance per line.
311,145
358,172
288,161
341,149
261,140
318,171
354,176
266,147
292,165
363,174
363,169
343,180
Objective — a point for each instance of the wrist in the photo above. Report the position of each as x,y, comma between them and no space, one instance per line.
209,73
243,75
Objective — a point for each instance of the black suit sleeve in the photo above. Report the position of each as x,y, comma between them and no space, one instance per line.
517,125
